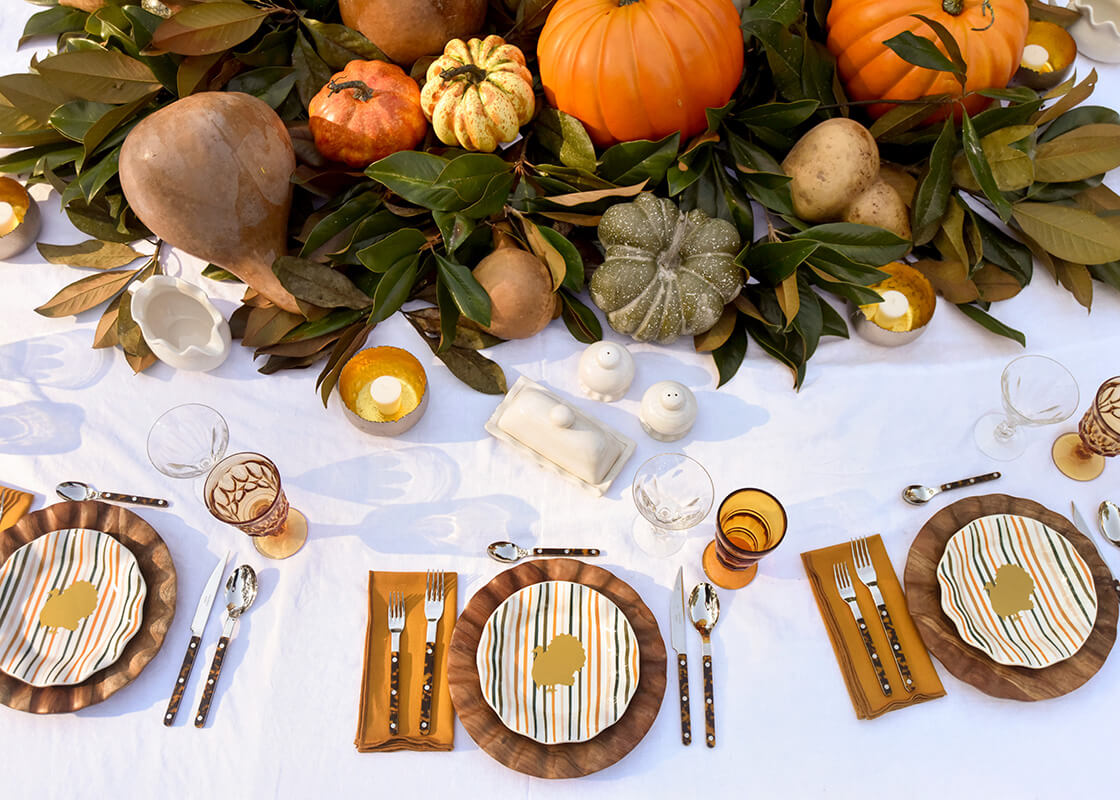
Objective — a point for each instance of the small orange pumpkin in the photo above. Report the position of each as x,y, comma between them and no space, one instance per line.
990,33
640,69
366,112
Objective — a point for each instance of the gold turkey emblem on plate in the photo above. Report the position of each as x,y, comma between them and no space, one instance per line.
66,608
557,664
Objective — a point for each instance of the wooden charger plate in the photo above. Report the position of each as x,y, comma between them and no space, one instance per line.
571,760
159,606
923,595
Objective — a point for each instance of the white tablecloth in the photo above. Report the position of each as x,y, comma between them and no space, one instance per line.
867,422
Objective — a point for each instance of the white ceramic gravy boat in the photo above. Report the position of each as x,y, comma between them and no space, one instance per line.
180,324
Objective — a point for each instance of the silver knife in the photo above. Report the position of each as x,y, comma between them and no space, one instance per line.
198,625
676,636
1079,521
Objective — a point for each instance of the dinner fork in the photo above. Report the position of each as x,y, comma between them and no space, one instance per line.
848,595
865,571
433,611
396,627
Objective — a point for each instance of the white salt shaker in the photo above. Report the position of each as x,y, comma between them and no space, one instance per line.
606,370
668,410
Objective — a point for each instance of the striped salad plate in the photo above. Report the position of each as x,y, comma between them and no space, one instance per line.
558,662
1017,590
69,603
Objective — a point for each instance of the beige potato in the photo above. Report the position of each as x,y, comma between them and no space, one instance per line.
903,182
831,164
879,204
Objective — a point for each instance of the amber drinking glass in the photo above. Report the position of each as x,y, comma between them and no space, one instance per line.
1081,455
244,490
749,524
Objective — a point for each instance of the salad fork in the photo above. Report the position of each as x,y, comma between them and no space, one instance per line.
865,571
433,611
396,627
848,595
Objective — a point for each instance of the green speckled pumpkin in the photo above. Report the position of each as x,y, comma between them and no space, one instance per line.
666,273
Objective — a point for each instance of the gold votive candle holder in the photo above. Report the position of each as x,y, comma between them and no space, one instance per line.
384,390
750,524
873,324
20,222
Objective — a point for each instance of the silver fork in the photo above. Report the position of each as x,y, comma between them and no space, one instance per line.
396,627
434,593
865,571
848,595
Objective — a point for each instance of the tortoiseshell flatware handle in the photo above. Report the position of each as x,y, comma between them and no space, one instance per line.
211,682
181,681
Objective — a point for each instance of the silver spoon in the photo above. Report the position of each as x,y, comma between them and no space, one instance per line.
241,591
1108,516
917,494
510,553
703,607
76,490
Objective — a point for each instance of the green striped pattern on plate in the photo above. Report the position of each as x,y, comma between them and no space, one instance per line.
1063,603
98,590
535,623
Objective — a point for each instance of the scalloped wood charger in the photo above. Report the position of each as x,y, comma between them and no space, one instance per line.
159,607
570,760
970,665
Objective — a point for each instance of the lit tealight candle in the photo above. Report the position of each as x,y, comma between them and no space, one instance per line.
385,392
8,221
1036,57
894,307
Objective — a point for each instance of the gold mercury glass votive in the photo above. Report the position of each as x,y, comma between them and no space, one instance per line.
19,218
384,390
908,303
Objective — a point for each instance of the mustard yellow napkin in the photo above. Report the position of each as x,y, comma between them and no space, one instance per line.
373,714
863,685
16,504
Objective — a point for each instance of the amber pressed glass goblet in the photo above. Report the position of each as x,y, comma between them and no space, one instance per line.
750,524
244,490
1081,455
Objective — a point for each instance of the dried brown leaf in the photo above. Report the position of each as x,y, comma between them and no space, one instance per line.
86,294
267,325
950,278
993,284
1077,279
719,333
579,198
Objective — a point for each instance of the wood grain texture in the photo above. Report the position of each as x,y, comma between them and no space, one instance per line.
159,607
923,594
518,752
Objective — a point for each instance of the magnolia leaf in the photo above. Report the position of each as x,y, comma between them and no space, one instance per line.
351,341
906,117
86,294
729,355
140,363
544,250
216,273
106,333
931,199
573,261
921,52
580,320
33,95
267,325
1077,95
312,74
992,324
394,288
301,349
430,320
1077,279
789,298
993,284
950,278
950,236
632,162
205,28
270,84
469,366
382,255
581,220
51,22
1071,234
467,292
129,336
566,136
579,198
338,45
1082,153
773,262
318,284
92,253
864,243
719,333
331,322
104,76
110,121
981,169
1077,118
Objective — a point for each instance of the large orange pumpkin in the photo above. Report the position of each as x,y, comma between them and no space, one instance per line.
640,69
990,35
366,112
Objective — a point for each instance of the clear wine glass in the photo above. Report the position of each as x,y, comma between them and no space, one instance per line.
1037,390
187,441
673,493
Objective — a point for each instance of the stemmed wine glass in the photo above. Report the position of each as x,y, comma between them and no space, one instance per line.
187,441
1037,390
673,493
243,490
